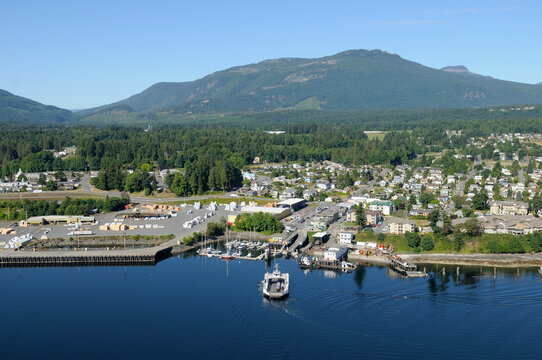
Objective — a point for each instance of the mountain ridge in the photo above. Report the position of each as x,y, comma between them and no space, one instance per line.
347,81
14,108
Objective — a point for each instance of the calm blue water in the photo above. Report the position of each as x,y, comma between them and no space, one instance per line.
196,307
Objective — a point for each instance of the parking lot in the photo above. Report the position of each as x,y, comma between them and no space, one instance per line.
156,226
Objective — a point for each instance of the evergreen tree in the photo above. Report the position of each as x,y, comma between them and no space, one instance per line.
413,239
480,200
361,218
433,219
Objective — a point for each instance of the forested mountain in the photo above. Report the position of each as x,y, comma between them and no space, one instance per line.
350,80
16,109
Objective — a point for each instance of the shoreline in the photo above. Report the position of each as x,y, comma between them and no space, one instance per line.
492,260
498,260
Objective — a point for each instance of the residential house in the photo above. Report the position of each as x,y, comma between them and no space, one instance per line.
510,224
288,194
249,176
308,194
508,207
323,185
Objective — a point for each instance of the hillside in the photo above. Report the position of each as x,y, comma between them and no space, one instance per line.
16,109
457,69
350,80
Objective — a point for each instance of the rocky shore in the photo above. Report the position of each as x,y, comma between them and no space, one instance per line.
500,260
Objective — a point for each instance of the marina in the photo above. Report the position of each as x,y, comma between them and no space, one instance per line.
236,249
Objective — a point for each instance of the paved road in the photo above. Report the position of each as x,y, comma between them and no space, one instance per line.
85,183
82,193
521,176
461,185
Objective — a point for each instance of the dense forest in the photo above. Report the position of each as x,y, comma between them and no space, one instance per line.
212,152
19,210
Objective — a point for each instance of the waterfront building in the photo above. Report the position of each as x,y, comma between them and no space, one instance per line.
320,237
332,254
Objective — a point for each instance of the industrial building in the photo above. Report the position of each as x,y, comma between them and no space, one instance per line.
320,237
293,204
57,219
278,212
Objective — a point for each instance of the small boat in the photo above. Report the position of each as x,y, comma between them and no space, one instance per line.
276,285
227,256
347,266
540,271
305,262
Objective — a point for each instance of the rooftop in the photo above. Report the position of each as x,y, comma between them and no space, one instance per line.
269,210
291,201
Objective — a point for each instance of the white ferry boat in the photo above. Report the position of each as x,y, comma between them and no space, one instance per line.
276,285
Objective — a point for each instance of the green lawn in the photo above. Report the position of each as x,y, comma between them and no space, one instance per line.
376,135
238,200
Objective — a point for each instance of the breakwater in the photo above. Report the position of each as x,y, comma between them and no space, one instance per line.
146,256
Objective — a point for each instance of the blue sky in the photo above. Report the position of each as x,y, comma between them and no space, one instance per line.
79,54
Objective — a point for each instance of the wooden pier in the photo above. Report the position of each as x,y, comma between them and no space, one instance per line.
404,268
146,256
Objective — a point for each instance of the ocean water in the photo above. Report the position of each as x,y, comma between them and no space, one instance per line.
192,307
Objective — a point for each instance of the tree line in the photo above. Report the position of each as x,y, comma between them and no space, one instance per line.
20,210
238,138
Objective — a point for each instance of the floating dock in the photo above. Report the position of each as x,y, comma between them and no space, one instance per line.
237,257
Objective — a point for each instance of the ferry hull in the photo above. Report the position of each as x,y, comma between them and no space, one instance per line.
276,296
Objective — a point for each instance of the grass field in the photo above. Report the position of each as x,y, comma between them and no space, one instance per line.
260,202
378,135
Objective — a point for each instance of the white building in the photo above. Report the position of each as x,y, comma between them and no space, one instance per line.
385,207
323,185
332,254
249,176
346,237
